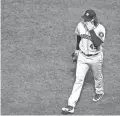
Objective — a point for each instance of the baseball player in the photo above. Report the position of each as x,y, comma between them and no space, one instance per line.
90,37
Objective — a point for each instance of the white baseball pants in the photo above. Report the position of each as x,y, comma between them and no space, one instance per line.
83,64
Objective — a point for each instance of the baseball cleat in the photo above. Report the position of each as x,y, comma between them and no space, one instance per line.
97,97
68,110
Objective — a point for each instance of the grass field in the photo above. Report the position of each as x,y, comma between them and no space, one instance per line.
37,39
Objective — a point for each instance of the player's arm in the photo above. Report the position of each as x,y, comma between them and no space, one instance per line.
78,41
97,39
99,36
78,32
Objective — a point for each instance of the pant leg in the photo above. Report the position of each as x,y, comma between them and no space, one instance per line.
81,71
98,77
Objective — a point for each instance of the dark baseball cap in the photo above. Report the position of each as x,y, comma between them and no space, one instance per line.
89,15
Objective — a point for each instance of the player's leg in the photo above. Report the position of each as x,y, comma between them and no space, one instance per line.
81,71
80,76
98,77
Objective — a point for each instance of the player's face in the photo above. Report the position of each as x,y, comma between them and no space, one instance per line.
89,21
86,20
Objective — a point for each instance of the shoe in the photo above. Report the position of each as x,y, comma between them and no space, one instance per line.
68,110
97,97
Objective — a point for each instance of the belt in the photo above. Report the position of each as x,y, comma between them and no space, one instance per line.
89,54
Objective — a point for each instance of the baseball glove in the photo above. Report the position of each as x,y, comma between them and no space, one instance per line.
74,56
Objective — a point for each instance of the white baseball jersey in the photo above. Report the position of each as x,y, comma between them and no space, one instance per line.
86,44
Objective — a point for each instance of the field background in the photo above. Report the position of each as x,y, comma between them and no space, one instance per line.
37,39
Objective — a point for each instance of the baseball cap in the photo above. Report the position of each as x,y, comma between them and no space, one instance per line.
89,15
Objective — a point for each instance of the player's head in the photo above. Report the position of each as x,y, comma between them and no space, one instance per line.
90,15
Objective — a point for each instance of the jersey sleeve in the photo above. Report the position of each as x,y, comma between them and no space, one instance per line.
101,33
80,29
